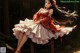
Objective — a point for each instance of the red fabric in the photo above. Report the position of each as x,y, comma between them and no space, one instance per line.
36,17
46,21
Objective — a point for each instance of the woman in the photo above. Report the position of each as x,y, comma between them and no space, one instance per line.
42,28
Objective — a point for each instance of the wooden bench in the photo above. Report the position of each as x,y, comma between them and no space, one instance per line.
32,46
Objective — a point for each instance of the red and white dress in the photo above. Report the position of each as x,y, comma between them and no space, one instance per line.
42,32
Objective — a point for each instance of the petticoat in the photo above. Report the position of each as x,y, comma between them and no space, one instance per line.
37,32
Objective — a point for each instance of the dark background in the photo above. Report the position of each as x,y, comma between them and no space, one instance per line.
11,11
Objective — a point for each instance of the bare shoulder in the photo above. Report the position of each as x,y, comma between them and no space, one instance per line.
51,11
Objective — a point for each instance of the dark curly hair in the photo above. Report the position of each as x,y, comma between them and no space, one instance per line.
61,15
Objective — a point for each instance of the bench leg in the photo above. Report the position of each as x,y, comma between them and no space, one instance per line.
31,47
52,45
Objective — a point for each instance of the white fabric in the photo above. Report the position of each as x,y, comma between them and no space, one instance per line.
37,32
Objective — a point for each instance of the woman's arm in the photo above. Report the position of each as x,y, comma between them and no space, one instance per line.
51,12
37,15
52,21
54,26
48,16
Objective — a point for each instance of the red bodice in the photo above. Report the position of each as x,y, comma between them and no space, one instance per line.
46,20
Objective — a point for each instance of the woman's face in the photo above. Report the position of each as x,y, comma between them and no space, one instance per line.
47,4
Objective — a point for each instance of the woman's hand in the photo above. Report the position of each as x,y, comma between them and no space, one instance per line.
37,22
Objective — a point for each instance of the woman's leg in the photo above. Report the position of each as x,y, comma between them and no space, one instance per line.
20,38
24,39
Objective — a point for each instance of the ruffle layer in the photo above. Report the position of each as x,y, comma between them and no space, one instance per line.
37,32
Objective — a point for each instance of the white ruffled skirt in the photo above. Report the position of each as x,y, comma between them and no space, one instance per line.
37,32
